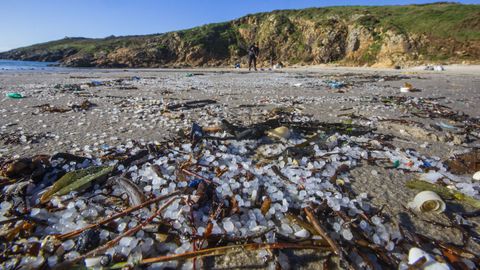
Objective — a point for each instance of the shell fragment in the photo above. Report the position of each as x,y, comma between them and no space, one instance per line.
427,201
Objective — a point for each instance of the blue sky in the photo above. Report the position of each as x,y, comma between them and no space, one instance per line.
25,22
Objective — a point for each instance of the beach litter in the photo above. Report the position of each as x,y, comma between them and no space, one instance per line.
428,201
444,192
419,259
336,84
221,189
476,176
464,163
95,83
22,137
279,133
189,105
222,186
85,105
278,66
15,95
69,87
53,109
407,87
435,68
445,126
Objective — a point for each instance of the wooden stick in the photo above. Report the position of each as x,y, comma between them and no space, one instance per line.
212,129
225,249
301,223
322,232
196,175
121,214
117,239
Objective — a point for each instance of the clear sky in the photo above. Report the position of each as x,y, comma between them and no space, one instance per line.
25,22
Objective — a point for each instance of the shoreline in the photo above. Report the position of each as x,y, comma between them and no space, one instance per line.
457,69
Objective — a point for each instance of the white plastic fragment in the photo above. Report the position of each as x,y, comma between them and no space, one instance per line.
406,88
279,133
476,176
427,201
432,176
416,254
302,233
68,245
92,262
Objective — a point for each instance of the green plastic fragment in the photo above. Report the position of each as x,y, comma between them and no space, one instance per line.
396,163
15,95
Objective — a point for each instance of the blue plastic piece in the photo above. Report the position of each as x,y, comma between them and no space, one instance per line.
194,183
197,133
427,164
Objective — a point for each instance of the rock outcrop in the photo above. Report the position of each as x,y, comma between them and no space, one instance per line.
371,36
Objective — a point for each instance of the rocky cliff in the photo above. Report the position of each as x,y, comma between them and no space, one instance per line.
373,36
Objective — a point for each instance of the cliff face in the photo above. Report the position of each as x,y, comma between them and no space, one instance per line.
373,36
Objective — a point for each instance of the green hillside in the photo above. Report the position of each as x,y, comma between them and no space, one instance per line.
353,35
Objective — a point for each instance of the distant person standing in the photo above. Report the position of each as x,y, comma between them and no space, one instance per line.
253,52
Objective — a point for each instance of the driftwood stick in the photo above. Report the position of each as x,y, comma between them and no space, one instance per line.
322,232
225,249
121,214
117,239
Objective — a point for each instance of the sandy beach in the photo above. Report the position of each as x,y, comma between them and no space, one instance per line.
130,106
240,95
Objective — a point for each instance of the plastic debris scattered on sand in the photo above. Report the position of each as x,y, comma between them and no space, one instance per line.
407,87
96,83
434,68
476,176
277,66
336,84
279,133
416,255
216,184
444,125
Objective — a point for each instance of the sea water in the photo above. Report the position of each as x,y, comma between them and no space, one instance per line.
27,65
